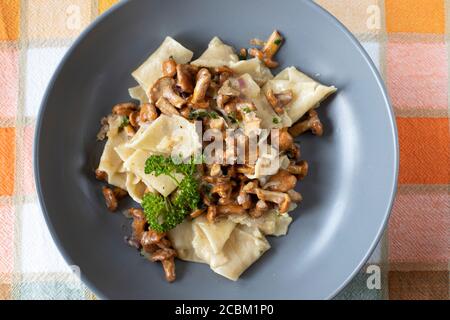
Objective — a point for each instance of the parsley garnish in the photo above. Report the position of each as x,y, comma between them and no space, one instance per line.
125,122
202,114
232,117
277,42
164,213
276,120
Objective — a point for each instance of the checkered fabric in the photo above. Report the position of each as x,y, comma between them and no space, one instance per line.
408,41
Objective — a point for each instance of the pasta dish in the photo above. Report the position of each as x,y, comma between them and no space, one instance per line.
207,151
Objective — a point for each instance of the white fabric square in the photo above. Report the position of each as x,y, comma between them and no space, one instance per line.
38,251
41,63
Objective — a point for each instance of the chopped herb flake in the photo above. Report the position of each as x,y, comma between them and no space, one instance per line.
201,114
125,122
276,120
232,117
277,42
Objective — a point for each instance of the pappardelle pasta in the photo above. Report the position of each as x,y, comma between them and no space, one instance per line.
207,150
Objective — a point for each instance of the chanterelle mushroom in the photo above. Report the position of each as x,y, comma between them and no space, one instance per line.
300,169
295,196
282,199
185,77
260,208
278,101
311,123
202,85
166,107
286,141
164,87
283,181
169,68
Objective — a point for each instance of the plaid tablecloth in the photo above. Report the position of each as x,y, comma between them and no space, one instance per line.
407,39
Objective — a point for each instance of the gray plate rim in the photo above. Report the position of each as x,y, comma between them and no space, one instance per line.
326,15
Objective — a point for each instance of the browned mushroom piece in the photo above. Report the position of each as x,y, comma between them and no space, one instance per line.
243,53
230,209
215,170
185,112
270,48
169,68
148,113
101,175
218,124
300,169
230,108
124,109
278,101
246,169
202,85
169,269
164,243
139,222
282,181
295,196
198,105
294,153
251,186
280,198
286,141
104,128
216,180
129,130
272,45
260,208
164,88
223,69
256,53
270,63
110,199
163,254
134,119
197,213
244,199
152,237
212,213
223,189
312,123
166,107
222,100
185,77
119,193
223,73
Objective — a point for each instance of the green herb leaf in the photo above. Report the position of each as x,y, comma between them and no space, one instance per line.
232,117
276,120
213,115
164,213
125,122
277,42
202,114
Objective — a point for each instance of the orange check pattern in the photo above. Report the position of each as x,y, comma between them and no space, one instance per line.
408,41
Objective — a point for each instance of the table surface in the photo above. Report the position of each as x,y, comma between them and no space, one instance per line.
407,39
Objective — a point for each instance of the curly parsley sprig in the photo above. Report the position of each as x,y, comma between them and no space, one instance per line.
165,213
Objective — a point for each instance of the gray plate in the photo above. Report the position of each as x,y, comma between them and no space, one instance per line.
348,193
